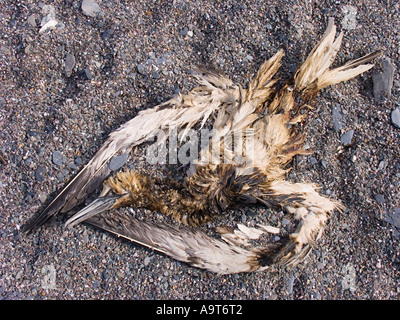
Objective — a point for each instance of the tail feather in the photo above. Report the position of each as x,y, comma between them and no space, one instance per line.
319,59
348,71
314,74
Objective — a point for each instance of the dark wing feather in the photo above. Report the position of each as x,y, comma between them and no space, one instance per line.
181,243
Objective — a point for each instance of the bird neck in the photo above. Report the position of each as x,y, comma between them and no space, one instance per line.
207,193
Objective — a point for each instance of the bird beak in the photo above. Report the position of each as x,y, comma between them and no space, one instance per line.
99,205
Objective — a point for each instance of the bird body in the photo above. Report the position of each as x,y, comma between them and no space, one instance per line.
254,139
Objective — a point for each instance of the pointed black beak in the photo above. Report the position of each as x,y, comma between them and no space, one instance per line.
99,205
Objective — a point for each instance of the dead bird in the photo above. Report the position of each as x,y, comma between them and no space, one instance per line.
264,114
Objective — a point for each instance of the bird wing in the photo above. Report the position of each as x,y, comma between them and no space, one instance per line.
228,255
214,92
181,243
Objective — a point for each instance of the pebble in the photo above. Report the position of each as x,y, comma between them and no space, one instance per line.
349,20
88,73
382,165
69,64
146,261
141,69
395,117
50,14
49,20
107,33
57,158
383,81
394,218
78,160
96,284
118,161
39,173
32,20
379,198
337,118
313,161
42,197
349,279
184,31
90,8
72,166
347,138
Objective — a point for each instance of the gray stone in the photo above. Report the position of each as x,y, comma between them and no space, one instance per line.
337,118
90,8
161,60
118,161
394,218
42,197
57,158
349,21
96,284
349,278
39,174
78,160
382,165
313,161
347,138
32,20
383,81
141,68
88,73
69,64
395,117
72,166
107,33
50,14
184,31
379,198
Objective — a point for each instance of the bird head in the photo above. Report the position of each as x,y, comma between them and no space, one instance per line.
121,190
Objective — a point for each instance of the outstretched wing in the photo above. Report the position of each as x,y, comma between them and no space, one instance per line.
181,243
184,110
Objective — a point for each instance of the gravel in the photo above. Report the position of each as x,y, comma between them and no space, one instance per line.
132,55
